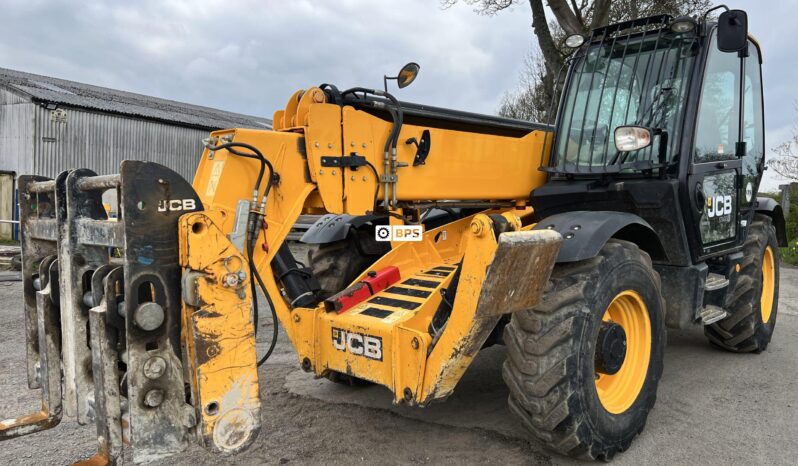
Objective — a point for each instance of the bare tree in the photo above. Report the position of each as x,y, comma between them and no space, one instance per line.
530,99
786,161
538,82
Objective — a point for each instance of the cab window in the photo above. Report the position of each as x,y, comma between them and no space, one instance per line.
717,129
753,124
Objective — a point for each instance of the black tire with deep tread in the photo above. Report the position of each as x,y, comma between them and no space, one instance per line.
550,364
336,264
743,331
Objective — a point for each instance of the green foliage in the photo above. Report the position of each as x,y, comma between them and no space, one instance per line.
789,255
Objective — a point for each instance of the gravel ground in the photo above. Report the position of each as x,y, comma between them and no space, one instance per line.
713,408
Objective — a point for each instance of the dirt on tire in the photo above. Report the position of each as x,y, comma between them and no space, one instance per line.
743,331
550,355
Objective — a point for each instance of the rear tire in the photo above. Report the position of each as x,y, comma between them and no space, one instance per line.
337,264
755,298
551,370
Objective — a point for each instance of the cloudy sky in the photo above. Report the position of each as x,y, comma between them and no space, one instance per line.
250,56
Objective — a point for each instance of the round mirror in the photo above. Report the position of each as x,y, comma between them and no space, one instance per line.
407,75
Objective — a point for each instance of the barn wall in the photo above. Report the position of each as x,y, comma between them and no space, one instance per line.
76,138
9,97
16,137
6,205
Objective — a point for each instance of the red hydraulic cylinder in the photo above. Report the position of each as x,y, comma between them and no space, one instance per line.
362,290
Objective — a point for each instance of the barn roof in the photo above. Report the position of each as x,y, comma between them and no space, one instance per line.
44,89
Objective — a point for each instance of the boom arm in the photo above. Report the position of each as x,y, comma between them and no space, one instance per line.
178,301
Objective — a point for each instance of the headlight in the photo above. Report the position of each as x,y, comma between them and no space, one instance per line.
629,138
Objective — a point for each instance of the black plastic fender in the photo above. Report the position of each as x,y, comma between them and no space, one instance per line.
327,229
331,227
771,208
585,233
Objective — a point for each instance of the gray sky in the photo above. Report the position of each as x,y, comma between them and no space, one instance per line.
250,56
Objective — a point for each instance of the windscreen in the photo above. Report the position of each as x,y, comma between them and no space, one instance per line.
634,80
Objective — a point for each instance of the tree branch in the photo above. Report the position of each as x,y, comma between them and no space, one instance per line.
482,7
565,17
577,12
551,54
601,13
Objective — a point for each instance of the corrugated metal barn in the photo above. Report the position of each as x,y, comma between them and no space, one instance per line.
48,125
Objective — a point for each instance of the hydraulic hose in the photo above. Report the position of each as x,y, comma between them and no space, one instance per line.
256,154
389,149
254,230
255,277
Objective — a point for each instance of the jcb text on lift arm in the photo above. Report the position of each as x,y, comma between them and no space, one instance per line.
176,307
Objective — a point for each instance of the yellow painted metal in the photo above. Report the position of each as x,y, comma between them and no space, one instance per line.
461,166
768,285
497,278
277,120
289,116
617,392
224,179
218,334
311,96
404,334
455,348
323,138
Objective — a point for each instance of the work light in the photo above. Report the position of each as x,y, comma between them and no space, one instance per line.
575,40
682,24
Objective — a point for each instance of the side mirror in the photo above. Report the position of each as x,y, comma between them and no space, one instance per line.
629,138
732,31
407,75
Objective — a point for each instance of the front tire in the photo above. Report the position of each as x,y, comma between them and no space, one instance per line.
755,298
552,370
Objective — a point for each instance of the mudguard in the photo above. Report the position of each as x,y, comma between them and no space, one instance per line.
585,233
771,208
330,228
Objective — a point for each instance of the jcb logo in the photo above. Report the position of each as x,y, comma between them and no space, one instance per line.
718,206
357,343
175,205
399,232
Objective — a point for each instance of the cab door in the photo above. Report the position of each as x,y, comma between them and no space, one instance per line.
716,178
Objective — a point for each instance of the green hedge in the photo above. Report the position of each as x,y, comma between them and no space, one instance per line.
789,254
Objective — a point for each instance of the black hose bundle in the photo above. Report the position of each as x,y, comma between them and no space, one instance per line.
252,238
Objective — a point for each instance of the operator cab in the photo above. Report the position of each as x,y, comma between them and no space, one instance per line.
657,120
661,121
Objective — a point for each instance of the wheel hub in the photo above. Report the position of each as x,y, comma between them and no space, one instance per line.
610,348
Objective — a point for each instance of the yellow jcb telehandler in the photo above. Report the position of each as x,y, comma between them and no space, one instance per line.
573,244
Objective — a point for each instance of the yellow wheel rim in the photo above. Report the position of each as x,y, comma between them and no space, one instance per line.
768,284
617,392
